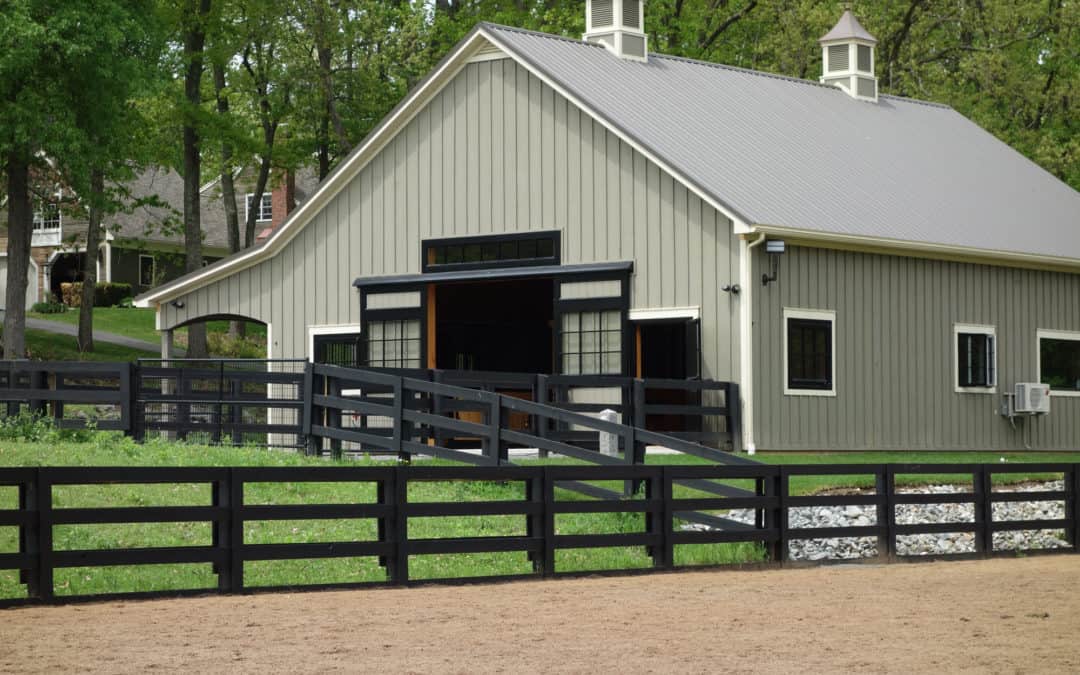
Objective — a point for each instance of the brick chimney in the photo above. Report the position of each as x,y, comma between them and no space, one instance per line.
282,202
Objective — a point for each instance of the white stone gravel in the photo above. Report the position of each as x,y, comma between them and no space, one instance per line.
848,548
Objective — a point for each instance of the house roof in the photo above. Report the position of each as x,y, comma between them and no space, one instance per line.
794,154
848,28
775,154
163,224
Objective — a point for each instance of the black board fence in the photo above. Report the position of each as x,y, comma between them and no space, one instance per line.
660,507
266,402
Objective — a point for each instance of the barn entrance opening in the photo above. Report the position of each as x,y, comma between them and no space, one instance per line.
502,326
669,350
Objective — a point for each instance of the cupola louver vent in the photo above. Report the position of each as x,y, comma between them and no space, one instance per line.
602,15
838,58
864,59
631,17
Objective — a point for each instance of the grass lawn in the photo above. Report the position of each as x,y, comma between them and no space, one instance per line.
105,449
45,346
134,322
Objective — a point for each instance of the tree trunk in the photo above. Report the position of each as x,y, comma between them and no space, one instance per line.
228,190
20,219
194,41
89,272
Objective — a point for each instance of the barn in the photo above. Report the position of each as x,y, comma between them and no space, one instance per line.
873,272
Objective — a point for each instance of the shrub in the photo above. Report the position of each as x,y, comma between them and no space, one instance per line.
35,428
105,294
50,306
225,346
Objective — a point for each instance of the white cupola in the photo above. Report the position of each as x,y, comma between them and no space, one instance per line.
619,25
847,58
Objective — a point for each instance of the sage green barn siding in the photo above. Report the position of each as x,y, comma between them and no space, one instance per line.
495,151
894,373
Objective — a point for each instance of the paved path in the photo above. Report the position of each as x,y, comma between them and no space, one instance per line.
99,335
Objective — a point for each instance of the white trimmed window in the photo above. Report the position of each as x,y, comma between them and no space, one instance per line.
1059,361
147,270
809,352
266,208
976,358
46,217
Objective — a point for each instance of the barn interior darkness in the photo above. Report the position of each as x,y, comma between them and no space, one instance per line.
503,326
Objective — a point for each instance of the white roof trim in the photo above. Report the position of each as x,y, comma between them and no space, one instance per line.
947,251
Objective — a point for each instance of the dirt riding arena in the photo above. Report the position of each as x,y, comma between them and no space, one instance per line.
1015,615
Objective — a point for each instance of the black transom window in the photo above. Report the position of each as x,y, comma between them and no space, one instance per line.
510,250
809,354
975,359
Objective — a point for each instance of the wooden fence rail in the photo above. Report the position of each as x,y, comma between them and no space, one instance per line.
662,506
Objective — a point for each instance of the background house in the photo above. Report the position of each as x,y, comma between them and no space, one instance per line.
144,247
874,272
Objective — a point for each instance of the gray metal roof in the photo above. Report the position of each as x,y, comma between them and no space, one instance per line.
790,153
847,28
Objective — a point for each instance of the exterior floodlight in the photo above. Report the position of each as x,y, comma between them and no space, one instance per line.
775,248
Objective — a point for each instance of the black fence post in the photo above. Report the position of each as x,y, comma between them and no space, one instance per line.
543,388
984,514
44,535
399,534
733,418
229,532
886,512
399,423
335,417
310,442
548,531
667,515
781,552
534,523
638,417
1072,491
28,536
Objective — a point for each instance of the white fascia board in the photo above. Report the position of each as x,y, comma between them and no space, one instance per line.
661,313
737,221
337,181
943,251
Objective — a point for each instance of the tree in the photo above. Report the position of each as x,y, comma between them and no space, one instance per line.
194,16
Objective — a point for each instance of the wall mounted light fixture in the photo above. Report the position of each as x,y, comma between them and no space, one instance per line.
775,249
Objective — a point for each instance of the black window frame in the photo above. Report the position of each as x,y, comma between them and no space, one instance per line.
1043,377
520,249
805,324
976,369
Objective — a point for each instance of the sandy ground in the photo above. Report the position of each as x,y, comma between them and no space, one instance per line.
1015,615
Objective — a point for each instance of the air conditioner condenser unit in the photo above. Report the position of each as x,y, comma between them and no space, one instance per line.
1032,398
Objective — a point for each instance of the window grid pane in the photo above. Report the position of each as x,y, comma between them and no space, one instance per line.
393,344
591,343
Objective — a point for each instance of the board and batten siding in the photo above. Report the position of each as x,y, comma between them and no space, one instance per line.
495,151
894,369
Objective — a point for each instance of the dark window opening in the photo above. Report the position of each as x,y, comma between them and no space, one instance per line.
339,350
513,250
147,270
975,359
809,357
1059,363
